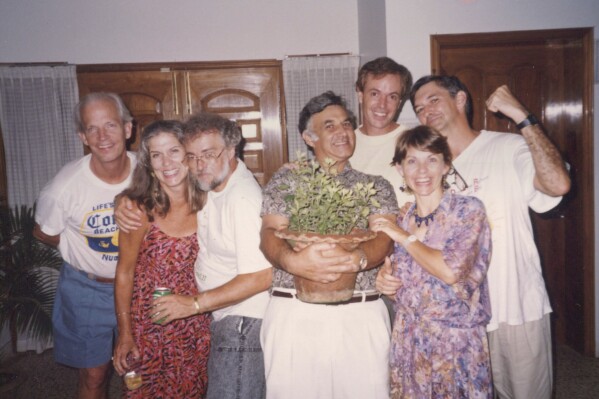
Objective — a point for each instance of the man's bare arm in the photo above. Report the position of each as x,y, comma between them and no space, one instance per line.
126,214
45,238
381,246
551,176
240,288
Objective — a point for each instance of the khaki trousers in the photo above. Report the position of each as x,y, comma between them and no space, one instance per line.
521,360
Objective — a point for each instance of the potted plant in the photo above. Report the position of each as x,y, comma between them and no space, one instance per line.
28,279
323,210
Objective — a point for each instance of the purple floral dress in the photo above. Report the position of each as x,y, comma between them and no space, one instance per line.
439,345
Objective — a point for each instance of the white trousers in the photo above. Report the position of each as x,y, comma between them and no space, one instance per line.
521,360
326,352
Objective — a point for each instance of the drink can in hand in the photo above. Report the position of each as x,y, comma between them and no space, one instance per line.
158,292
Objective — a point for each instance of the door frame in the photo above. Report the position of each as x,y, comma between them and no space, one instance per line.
586,187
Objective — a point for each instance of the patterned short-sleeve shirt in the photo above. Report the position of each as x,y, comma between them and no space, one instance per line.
282,183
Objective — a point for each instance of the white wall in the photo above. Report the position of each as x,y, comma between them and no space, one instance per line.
410,24
372,29
113,31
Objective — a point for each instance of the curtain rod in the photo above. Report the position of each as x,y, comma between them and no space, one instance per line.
316,55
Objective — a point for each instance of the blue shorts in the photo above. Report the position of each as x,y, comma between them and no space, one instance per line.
83,319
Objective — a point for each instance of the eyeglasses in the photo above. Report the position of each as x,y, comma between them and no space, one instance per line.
207,157
458,181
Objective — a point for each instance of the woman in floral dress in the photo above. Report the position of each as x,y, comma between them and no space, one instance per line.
162,253
442,252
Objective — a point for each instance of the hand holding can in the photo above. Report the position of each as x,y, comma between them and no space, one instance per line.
159,292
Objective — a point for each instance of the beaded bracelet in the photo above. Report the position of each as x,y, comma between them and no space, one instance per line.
122,313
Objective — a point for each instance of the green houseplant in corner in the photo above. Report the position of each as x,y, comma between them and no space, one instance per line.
323,210
28,280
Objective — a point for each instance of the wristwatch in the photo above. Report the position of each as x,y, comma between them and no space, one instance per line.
528,121
411,238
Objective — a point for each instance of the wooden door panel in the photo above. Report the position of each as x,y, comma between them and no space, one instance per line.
252,97
551,73
3,179
149,95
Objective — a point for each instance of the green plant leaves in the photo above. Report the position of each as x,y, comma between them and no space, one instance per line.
28,275
321,204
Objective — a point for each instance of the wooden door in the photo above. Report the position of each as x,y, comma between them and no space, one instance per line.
3,179
551,73
250,95
149,95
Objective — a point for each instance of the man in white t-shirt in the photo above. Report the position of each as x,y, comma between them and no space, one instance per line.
231,271
509,173
383,87
75,213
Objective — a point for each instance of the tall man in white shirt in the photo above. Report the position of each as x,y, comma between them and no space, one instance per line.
75,213
509,173
383,87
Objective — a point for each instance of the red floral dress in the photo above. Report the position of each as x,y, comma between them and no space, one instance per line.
174,356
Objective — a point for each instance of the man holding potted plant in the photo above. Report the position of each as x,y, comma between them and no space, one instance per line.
336,349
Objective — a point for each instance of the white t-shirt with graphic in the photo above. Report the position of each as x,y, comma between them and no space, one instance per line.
79,207
499,170
373,155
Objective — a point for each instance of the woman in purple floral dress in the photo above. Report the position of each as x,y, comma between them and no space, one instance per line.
442,252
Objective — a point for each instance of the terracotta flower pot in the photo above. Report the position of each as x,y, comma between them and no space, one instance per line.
337,291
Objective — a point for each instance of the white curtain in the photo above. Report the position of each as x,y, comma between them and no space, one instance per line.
36,108
306,77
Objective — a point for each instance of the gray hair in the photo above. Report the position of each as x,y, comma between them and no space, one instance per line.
207,123
318,104
124,113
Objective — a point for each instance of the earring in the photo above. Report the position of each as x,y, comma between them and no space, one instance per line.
403,188
444,183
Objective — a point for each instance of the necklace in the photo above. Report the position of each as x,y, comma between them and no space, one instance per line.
425,219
